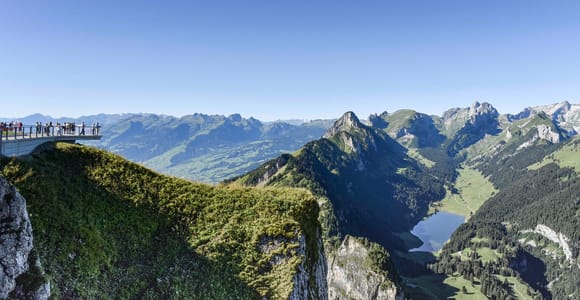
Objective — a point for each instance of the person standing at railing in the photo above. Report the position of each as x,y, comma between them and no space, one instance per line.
82,128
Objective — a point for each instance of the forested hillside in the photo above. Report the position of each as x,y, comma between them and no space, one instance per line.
366,184
364,174
366,181
529,230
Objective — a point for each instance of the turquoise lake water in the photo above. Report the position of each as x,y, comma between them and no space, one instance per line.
436,230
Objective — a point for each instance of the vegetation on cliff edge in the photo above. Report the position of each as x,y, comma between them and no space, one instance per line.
108,228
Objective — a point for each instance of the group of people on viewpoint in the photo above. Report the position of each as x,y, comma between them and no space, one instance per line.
49,128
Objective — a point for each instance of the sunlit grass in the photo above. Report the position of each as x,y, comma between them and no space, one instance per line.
567,156
472,190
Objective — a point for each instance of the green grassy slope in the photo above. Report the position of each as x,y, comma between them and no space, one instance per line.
566,156
470,191
108,228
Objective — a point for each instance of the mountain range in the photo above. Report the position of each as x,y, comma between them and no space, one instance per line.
204,148
324,211
378,181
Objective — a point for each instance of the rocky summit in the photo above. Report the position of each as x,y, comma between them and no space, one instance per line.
333,218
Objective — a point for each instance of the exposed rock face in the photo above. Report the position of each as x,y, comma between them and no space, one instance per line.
349,275
556,237
16,244
545,132
16,237
478,110
508,134
304,286
272,169
564,114
354,137
482,119
347,121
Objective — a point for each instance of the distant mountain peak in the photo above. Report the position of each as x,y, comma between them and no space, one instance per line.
347,122
485,108
235,117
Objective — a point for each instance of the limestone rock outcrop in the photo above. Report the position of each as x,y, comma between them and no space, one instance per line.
16,247
310,280
350,277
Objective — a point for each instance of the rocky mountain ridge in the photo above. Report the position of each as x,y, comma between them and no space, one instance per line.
208,148
477,136
372,182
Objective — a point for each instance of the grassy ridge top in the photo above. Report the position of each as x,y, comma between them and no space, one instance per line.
110,228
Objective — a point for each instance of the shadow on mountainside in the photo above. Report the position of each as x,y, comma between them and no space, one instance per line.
94,244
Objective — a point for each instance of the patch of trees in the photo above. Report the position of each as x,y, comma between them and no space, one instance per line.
548,196
445,167
391,192
511,164
460,257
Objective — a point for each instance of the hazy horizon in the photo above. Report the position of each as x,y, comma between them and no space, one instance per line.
362,116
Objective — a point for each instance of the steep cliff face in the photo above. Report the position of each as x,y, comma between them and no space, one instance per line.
557,237
351,275
20,274
310,281
481,119
479,114
347,122
566,115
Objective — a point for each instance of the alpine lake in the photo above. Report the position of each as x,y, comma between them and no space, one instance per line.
435,230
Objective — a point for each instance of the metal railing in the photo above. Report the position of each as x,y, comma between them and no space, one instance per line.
42,131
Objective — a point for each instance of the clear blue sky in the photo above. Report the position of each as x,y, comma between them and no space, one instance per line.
285,59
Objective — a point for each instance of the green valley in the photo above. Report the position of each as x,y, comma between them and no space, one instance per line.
468,193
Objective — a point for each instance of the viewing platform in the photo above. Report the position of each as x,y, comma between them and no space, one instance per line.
22,140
